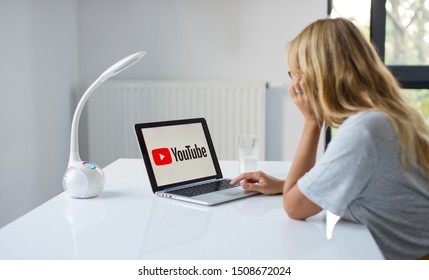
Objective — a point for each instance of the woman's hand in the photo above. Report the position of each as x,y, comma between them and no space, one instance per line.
299,92
260,182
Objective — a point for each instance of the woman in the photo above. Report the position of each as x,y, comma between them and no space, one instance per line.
375,171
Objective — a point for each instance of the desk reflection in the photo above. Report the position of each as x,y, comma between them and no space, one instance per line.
84,217
173,223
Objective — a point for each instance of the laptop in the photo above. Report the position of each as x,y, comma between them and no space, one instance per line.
181,162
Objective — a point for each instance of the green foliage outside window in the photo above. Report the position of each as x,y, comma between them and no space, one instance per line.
419,99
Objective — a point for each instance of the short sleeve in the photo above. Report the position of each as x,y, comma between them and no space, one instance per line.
343,172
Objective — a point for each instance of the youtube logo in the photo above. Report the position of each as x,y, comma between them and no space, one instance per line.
161,156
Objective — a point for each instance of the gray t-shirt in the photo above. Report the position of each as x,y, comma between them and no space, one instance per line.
361,179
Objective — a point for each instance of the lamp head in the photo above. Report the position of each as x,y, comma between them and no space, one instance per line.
122,65
85,179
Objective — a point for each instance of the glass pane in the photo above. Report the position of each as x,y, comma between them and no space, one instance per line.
407,32
358,11
419,99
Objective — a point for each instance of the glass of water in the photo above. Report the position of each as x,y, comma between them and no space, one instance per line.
248,153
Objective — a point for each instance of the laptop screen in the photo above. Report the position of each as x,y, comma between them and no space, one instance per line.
177,152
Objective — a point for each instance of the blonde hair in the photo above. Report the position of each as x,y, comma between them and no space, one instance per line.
347,76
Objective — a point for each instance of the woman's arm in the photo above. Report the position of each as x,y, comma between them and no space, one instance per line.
296,205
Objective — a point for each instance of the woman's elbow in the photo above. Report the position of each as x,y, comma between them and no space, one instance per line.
299,207
293,212
291,205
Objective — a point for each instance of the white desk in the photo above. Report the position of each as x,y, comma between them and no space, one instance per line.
128,222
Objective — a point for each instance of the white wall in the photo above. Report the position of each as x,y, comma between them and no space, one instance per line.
46,43
201,39
38,72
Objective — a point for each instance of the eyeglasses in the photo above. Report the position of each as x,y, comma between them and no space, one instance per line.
292,75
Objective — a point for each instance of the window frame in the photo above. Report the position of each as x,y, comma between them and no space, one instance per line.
408,76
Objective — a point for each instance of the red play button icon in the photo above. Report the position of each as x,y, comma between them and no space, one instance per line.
161,156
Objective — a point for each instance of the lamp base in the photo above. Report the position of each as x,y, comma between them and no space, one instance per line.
83,179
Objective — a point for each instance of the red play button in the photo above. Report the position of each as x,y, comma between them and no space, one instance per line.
161,156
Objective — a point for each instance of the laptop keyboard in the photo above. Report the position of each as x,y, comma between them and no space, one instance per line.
203,188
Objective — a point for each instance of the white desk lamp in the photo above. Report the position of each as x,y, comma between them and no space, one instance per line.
84,179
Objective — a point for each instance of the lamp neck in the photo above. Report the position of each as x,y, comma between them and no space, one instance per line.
74,141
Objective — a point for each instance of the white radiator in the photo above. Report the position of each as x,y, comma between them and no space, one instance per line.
231,108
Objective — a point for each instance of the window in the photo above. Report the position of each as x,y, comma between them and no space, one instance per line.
419,99
357,11
400,31
407,32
